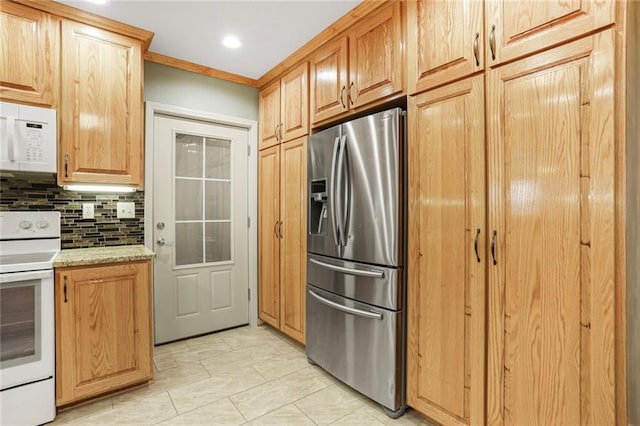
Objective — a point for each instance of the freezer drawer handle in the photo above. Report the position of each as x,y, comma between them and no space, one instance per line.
349,271
346,309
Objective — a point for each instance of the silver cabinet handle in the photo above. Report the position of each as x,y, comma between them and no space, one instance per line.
280,223
349,271
475,245
349,93
492,42
346,309
275,131
275,229
160,241
493,246
475,48
280,131
342,97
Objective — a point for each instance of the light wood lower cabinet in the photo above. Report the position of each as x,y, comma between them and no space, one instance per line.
282,235
548,251
447,229
551,172
103,329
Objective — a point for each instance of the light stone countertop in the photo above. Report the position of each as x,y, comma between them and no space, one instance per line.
100,255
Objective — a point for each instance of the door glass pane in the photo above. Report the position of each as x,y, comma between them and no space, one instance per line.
218,241
203,176
188,199
218,161
188,155
218,200
188,243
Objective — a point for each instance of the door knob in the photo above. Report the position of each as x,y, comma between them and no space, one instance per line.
160,241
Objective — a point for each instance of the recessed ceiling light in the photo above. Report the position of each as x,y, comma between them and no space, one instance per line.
232,42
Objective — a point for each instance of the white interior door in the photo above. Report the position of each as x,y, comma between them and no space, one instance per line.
200,227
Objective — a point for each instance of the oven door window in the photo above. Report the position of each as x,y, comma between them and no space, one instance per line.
20,323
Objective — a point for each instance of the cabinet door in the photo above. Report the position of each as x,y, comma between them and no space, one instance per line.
103,329
293,211
444,42
551,299
269,106
517,28
268,236
446,283
375,56
29,42
101,110
329,73
294,114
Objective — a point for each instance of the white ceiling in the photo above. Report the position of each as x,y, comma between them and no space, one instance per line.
270,30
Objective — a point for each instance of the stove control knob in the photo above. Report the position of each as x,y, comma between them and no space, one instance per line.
42,224
25,224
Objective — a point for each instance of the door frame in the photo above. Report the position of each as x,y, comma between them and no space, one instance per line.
154,108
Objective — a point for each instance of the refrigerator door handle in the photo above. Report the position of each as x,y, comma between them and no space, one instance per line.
340,195
346,209
332,190
346,309
349,271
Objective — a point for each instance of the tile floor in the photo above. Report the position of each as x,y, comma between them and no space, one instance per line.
253,376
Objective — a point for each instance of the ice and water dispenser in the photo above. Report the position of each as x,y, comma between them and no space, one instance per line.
318,206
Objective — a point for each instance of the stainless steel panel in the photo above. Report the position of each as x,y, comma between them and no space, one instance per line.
322,235
365,353
376,285
371,190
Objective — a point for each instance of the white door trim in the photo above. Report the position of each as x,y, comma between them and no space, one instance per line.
153,108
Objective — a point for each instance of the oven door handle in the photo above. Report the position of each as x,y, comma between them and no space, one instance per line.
24,276
346,309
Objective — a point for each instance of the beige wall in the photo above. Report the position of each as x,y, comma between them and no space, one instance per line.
176,87
633,213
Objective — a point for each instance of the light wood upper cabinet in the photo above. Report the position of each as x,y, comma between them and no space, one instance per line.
29,55
269,111
293,237
103,329
517,28
284,108
363,66
282,236
329,73
100,137
445,42
376,56
447,230
552,214
268,241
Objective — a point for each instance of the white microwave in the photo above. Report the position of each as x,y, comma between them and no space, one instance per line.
27,138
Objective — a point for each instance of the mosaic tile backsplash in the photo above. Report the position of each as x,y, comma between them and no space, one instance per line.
31,191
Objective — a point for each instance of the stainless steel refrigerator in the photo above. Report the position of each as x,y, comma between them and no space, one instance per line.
355,276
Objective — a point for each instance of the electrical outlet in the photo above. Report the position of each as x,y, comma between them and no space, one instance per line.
87,211
126,210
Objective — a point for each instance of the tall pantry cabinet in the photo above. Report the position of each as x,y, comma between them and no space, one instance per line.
533,284
282,203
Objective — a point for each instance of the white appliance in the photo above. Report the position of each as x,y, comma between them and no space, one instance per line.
27,138
29,241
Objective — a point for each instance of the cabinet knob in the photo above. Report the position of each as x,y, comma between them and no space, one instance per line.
160,241
160,225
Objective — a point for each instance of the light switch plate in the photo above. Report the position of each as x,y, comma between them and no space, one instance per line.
87,211
126,210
